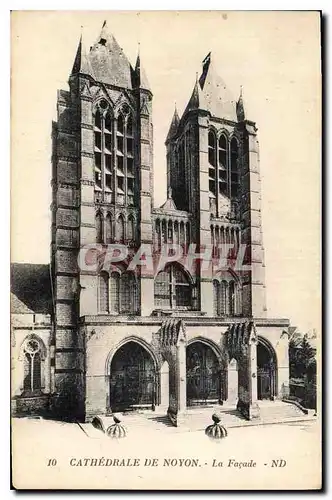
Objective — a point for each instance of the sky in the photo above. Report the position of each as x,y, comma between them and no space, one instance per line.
275,56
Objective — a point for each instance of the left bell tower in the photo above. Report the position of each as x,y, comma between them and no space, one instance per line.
102,193
72,206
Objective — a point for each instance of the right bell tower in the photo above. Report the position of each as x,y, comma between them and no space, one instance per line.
213,170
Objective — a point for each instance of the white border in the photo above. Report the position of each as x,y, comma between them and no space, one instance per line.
5,7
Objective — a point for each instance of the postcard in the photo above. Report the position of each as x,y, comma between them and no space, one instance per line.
165,250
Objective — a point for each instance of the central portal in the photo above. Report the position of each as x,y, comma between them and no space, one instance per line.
133,378
203,375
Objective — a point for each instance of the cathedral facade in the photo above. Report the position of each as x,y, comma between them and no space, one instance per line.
160,308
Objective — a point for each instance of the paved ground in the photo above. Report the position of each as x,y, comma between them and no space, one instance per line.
170,457
197,419
182,459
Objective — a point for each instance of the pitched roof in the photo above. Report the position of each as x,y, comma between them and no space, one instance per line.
108,61
17,306
30,289
169,203
217,98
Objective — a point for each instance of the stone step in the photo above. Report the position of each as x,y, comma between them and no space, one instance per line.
286,410
199,418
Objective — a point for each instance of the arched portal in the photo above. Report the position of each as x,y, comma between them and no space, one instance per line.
203,374
133,380
266,370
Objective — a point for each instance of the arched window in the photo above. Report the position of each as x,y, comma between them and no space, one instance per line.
172,289
108,228
215,297
114,289
98,125
103,293
237,240
130,228
164,231
125,158
227,236
32,383
226,296
129,126
129,160
187,234
117,294
103,150
128,293
120,229
162,290
182,234
120,163
108,150
219,297
212,154
157,235
213,241
176,232
99,228
181,181
235,180
222,236
182,287
170,231
222,298
222,165
120,129
232,298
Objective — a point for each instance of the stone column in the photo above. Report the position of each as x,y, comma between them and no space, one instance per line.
232,382
181,377
252,372
164,386
247,402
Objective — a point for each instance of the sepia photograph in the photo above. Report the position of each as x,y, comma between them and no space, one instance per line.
166,250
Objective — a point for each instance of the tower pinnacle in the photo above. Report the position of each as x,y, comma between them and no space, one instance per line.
142,81
81,63
240,110
174,125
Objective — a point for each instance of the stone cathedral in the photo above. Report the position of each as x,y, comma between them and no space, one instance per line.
93,334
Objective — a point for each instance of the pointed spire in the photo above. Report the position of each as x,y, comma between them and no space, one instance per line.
140,75
108,61
174,125
194,99
197,99
218,100
81,62
176,114
240,111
